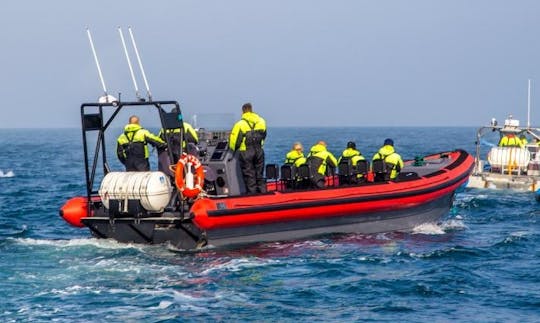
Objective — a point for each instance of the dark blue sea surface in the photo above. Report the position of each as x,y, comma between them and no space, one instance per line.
480,264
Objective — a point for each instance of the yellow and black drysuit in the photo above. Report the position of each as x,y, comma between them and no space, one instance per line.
354,155
511,140
132,149
295,158
318,160
190,136
247,138
392,163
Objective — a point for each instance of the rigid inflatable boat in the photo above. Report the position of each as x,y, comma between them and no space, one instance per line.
515,167
192,209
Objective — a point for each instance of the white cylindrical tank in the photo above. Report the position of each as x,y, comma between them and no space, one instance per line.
152,189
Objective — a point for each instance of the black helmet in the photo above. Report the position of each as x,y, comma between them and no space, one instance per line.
388,141
351,144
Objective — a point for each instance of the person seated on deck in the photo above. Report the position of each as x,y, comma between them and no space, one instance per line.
293,160
296,156
510,140
318,160
132,148
354,156
386,163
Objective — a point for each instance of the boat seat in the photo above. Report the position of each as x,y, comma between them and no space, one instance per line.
362,168
348,173
287,172
381,170
288,175
272,171
304,171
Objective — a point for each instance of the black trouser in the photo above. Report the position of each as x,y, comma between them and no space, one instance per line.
137,164
252,165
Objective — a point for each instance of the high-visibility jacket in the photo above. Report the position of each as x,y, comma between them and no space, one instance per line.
353,154
319,157
295,157
133,143
510,141
388,154
250,131
190,135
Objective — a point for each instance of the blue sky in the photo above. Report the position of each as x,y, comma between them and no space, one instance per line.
301,63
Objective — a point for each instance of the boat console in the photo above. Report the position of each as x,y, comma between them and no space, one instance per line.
221,166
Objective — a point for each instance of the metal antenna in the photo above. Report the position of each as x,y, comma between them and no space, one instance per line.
97,62
529,105
129,64
140,64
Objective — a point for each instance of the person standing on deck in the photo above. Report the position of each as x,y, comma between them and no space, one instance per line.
132,149
247,138
510,140
190,137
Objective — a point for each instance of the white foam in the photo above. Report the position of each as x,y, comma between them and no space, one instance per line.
454,224
98,243
238,264
9,173
428,228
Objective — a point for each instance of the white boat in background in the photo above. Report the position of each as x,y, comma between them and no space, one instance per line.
516,168
507,167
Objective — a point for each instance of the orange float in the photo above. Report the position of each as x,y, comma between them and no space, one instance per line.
74,210
183,169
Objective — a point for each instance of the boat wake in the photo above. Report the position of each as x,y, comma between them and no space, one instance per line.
9,173
440,228
98,243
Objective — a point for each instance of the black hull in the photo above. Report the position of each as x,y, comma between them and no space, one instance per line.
183,235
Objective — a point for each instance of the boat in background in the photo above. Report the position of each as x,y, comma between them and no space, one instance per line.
515,167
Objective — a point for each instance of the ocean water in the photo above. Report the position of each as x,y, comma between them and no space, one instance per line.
480,264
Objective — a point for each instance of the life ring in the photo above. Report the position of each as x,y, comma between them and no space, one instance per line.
189,184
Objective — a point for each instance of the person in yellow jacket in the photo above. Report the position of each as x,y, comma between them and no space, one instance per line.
190,137
510,140
319,159
391,161
132,148
247,138
296,156
524,140
354,155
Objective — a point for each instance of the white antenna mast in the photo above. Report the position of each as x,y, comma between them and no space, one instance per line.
97,63
529,105
129,64
140,64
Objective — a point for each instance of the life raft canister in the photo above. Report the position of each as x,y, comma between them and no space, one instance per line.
189,184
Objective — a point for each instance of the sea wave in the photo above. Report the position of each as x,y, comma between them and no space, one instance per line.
79,242
9,173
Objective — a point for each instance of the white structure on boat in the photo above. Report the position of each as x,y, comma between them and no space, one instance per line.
515,165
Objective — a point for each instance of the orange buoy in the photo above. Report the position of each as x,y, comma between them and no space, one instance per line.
189,184
74,210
